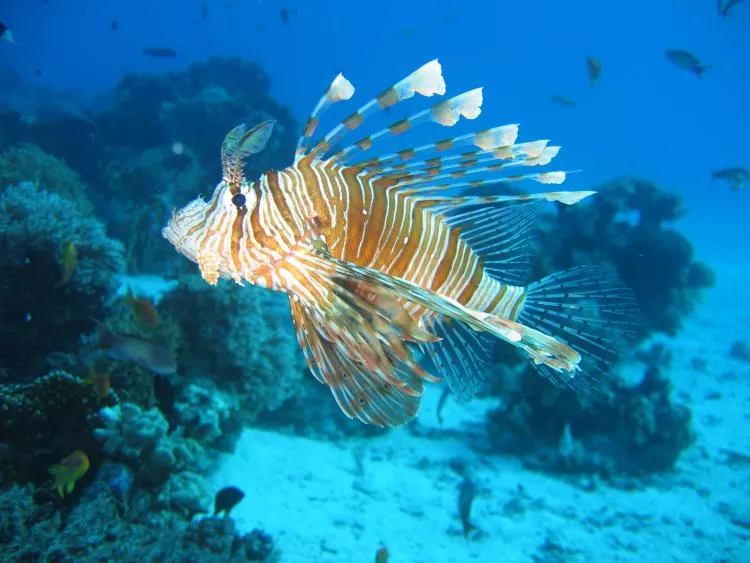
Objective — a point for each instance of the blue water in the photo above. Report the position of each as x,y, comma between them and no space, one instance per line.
643,117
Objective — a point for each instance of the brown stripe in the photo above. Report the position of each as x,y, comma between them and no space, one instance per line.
473,284
399,127
388,98
237,233
448,262
500,294
515,310
353,121
406,154
356,219
444,145
364,144
310,126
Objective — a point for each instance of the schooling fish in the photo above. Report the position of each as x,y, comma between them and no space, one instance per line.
724,7
142,307
686,61
5,33
735,177
564,101
159,52
378,256
131,348
594,68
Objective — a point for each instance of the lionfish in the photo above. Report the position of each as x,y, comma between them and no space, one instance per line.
381,260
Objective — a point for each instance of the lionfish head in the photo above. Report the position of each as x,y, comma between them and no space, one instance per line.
191,227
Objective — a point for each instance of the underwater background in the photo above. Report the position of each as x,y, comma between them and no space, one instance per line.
146,415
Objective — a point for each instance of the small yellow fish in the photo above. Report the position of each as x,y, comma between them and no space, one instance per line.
99,381
142,308
594,67
68,471
69,262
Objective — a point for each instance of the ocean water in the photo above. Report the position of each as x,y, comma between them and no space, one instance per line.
325,490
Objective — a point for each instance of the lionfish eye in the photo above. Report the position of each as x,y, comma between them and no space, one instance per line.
238,200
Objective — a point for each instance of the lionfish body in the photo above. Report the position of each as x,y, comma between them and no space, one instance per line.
377,257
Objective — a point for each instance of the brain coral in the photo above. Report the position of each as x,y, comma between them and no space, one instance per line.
36,317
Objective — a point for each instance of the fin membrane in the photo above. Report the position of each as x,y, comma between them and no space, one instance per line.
589,309
462,357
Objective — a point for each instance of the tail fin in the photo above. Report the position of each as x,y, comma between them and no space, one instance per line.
591,310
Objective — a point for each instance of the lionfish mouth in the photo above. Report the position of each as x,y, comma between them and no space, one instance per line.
178,229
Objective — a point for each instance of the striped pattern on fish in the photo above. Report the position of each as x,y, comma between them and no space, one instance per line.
378,255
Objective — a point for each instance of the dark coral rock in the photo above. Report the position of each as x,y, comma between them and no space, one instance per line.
45,420
94,530
740,351
624,225
628,430
219,536
37,318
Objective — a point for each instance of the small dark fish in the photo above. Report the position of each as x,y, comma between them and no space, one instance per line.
37,71
284,15
114,25
724,7
735,177
382,555
564,101
686,61
441,403
204,10
594,68
160,52
131,348
5,33
465,499
226,499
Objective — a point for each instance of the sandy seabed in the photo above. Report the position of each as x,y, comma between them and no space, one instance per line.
319,505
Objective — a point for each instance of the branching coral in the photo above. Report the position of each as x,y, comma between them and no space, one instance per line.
40,318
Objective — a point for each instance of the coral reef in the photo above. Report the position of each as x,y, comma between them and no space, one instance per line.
625,226
620,430
28,163
243,339
53,414
99,529
37,317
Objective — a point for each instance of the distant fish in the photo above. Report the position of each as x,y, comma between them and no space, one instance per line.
114,25
724,7
160,52
594,68
564,101
465,500
204,9
441,403
284,15
686,61
226,499
68,471
735,177
68,261
382,555
5,33
131,348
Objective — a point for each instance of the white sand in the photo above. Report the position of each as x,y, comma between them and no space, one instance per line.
308,495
